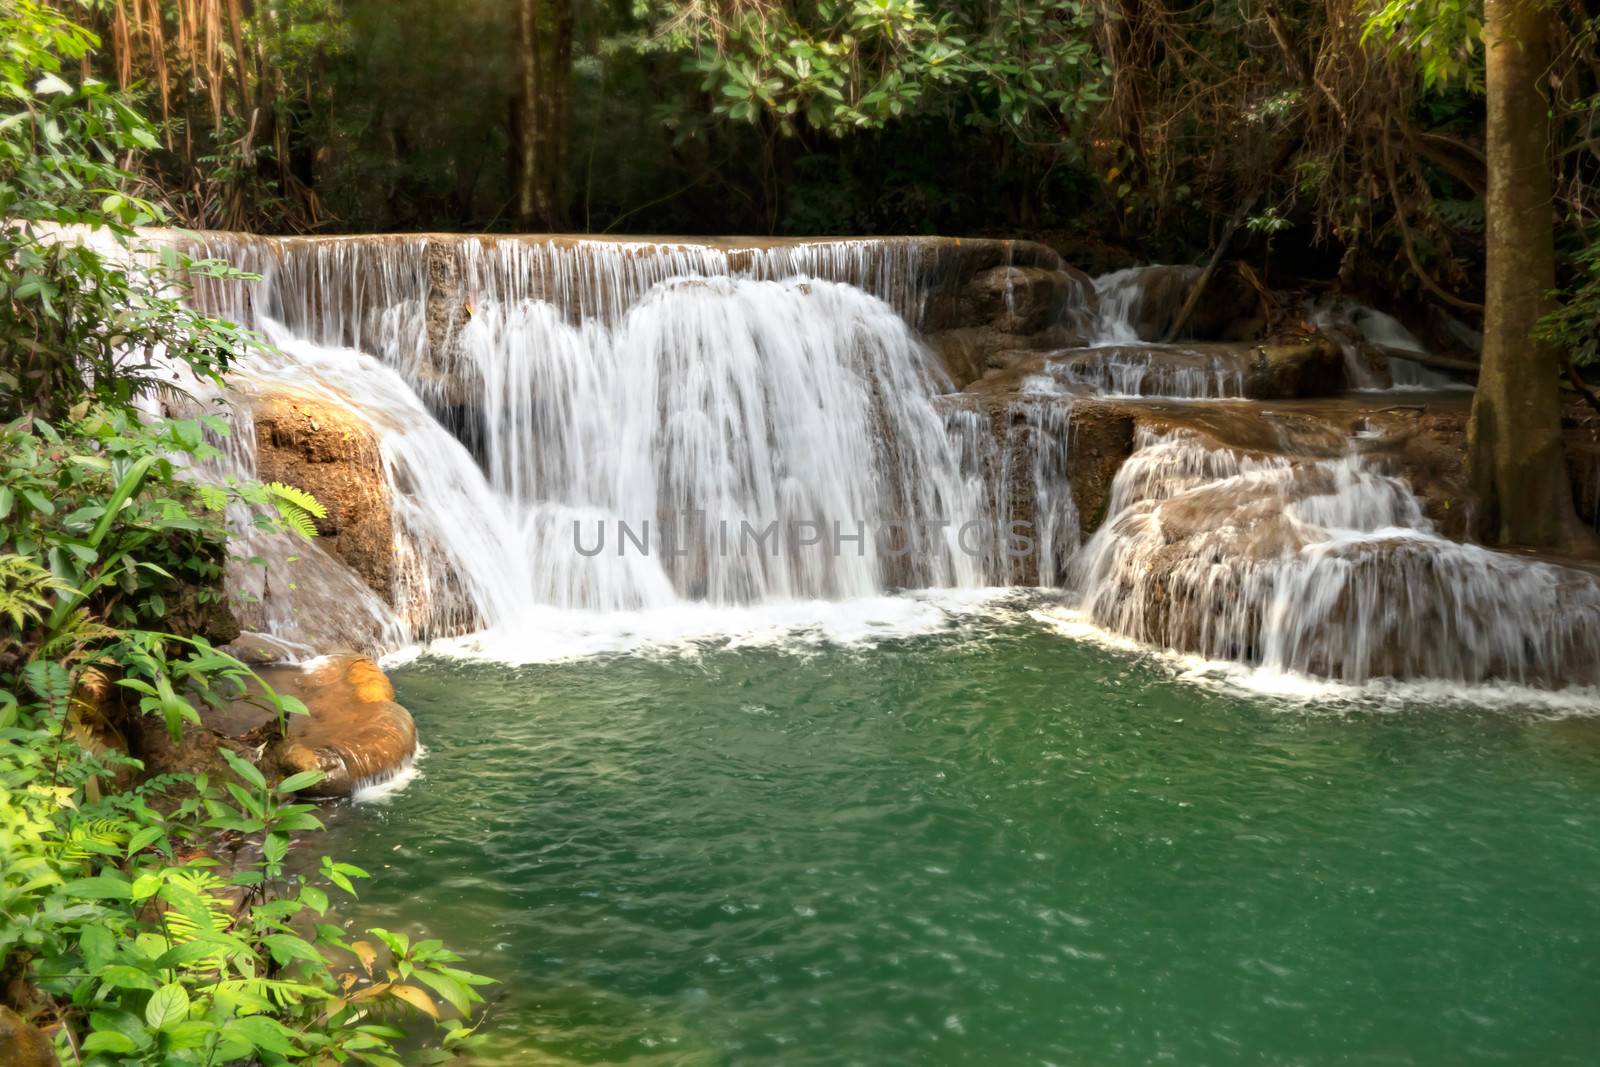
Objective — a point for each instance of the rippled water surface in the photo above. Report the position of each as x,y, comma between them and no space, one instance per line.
992,846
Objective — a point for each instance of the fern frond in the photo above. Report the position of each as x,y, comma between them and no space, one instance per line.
198,913
297,508
25,589
299,498
98,837
50,682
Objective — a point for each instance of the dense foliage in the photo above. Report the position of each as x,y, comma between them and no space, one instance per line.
1347,134
144,920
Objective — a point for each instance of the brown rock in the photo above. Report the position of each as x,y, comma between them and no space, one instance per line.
1314,367
1229,309
21,1043
355,733
328,451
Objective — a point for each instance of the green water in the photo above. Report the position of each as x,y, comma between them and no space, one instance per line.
989,847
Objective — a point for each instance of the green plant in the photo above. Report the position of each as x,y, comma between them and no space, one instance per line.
1571,325
157,921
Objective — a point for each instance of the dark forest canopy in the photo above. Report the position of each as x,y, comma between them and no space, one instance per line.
1346,125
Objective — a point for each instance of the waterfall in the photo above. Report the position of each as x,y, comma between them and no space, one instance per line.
715,405
632,429
1017,464
1325,567
1370,340
1120,293
644,424
1154,370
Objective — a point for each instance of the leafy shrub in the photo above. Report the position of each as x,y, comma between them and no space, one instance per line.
158,922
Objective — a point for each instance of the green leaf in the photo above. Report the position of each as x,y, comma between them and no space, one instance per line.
169,1004
99,888
109,1041
296,782
243,768
144,838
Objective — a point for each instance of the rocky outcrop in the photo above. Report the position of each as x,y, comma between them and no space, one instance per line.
1312,367
1296,369
1247,558
332,592
21,1044
1582,434
1230,309
1007,309
327,450
355,731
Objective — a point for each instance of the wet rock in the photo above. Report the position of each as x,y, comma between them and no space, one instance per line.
21,1043
1028,301
331,453
1582,434
1023,300
1229,310
260,650
356,732
1309,368
1323,566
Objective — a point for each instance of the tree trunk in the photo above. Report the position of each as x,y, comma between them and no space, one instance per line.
533,203
557,89
1514,435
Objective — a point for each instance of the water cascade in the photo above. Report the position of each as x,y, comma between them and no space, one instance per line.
733,414
625,427
1325,567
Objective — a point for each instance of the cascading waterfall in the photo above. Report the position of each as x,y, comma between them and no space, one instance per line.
1360,330
1021,477
1120,293
1167,370
678,396
716,406
1323,567
735,415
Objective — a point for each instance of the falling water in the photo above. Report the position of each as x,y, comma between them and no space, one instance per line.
1154,370
652,423
1323,567
1120,293
1371,340
676,396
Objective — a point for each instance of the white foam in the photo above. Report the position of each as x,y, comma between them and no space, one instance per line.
554,635
380,789
1291,690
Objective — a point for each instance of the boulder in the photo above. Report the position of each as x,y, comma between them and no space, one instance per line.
1229,310
1022,300
356,732
314,444
1307,368
21,1043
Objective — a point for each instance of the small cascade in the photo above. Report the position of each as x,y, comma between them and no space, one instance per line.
1150,370
1374,344
1120,294
1386,334
1324,567
1017,465
1041,438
